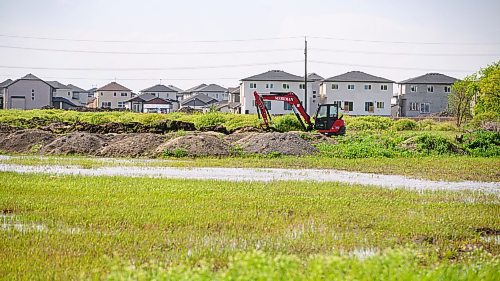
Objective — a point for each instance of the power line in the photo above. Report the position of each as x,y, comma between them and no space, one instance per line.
407,53
403,42
390,67
131,79
149,41
150,53
148,69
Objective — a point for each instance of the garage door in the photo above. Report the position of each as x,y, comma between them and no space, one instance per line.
18,103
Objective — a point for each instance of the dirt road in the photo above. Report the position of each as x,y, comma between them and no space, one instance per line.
262,175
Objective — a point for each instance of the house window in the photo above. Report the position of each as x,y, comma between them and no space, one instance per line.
287,106
253,85
302,86
413,88
383,87
369,106
350,87
447,89
106,104
368,87
32,94
269,86
335,86
267,104
69,94
425,107
154,94
430,89
101,94
121,104
286,86
348,106
338,104
123,94
380,104
413,106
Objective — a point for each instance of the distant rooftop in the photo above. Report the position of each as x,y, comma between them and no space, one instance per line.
430,78
357,76
274,75
113,86
159,88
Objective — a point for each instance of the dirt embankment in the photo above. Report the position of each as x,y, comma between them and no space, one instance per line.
155,145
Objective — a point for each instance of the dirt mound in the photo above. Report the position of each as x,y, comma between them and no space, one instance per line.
248,130
132,145
195,145
25,140
76,143
7,129
283,143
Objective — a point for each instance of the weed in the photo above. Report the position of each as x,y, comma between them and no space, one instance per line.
178,153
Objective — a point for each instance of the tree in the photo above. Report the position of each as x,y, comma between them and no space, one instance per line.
461,97
488,100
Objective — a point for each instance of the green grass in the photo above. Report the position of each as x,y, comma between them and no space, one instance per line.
120,228
449,168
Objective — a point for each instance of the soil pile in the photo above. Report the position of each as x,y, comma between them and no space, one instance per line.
75,143
283,143
25,140
195,145
132,145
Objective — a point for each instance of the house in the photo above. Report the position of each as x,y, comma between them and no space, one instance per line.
80,96
112,95
199,101
313,87
212,90
28,92
2,86
149,103
358,93
273,81
178,90
424,95
161,91
232,105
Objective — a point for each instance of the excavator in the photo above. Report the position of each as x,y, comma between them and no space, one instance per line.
326,121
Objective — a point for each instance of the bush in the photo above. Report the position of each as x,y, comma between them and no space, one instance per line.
178,153
368,123
404,125
431,144
482,143
287,123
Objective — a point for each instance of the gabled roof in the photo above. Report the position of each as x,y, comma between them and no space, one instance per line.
147,97
430,78
158,100
175,88
211,88
274,75
57,85
76,89
357,76
159,88
28,77
113,86
314,77
61,99
201,97
5,83
195,88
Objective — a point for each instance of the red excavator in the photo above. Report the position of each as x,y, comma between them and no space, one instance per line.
327,120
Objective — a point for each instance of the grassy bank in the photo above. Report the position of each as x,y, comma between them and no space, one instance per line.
97,227
449,168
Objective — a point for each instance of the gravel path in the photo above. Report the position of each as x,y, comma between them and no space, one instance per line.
263,175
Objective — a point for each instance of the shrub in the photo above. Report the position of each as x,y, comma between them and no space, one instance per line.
431,144
368,123
287,123
482,143
404,125
178,153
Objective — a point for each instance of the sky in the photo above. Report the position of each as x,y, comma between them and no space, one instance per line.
185,43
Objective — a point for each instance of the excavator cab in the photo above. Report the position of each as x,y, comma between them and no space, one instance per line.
328,121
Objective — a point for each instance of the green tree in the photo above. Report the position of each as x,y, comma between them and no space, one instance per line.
488,100
461,97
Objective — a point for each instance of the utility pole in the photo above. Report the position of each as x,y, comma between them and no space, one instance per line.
305,73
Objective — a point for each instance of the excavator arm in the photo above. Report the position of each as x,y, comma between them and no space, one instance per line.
290,98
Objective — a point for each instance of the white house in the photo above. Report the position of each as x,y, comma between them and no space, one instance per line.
149,103
213,90
358,93
273,81
112,95
313,87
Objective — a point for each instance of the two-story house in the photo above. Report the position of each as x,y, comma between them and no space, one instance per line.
28,92
80,96
424,95
2,87
273,81
358,93
313,92
161,91
112,95
212,90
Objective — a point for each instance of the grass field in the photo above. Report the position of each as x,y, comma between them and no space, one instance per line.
449,168
119,228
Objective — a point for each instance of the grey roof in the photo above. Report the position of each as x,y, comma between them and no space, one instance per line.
274,75
175,88
235,90
314,77
201,97
430,78
211,88
5,83
76,89
57,85
113,86
159,88
231,105
195,88
147,97
357,76
27,77
61,99
30,76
